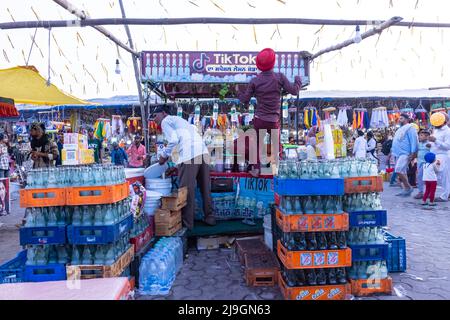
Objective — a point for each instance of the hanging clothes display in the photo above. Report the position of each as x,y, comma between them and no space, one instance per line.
134,124
102,128
379,118
344,116
328,112
117,126
311,117
408,110
393,116
361,119
421,116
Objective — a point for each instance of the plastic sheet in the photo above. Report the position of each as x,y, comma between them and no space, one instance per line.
93,289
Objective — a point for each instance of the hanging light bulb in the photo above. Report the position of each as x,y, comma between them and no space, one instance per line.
357,38
117,67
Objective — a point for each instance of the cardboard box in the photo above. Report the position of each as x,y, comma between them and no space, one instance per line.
76,139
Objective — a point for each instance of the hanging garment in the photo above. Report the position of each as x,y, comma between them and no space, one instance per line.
306,119
117,125
342,118
366,121
379,118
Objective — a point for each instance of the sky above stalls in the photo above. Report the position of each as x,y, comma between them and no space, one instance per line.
82,60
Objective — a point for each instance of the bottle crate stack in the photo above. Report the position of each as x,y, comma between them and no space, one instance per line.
311,240
369,272
76,217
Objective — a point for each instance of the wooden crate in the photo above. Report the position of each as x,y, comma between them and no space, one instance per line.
168,230
249,246
101,271
167,222
176,200
261,269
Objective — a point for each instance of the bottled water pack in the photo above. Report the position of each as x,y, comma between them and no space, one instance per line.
160,265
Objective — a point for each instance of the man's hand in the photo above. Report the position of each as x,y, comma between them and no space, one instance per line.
438,162
428,145
432,138
162,160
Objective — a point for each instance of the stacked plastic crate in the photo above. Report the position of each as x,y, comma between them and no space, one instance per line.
77,222
311,243
369,272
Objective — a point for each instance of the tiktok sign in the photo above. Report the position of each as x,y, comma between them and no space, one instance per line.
217,67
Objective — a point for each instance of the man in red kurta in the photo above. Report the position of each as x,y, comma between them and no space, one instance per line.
267,88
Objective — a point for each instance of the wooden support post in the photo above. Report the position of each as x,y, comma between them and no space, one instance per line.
138,79
378,29
83,16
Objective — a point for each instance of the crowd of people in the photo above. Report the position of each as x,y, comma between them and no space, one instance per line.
419,157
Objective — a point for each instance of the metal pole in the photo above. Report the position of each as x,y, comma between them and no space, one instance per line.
209,20
138,81
83,16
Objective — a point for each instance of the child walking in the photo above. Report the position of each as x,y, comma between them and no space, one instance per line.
430,170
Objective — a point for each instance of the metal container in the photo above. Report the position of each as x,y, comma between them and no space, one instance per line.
242,167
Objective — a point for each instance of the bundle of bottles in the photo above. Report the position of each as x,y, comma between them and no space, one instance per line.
311,241
96,215
368,270
105,254
160,265
75,176
365,235
140,224
311,205
362,202
314,277
327,169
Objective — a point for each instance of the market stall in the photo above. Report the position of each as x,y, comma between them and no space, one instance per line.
221,76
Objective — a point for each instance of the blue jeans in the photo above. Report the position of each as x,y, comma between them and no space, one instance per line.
393,177
420,183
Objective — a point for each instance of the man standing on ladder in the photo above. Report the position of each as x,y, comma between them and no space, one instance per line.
267,87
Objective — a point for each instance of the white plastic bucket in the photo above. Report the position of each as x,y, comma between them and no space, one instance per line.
163,186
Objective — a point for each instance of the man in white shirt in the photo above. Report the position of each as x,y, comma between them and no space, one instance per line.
193,161
440,146
360,146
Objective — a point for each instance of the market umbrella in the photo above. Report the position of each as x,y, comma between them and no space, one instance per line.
26,85
7,108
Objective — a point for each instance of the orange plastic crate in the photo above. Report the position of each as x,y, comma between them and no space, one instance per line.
367,287
363,184
52,197
314,259
96,194
312,222
326,292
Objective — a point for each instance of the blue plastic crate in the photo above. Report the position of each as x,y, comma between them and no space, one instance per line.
99,234
376,218
396,261
368,252
43,235
49,272
309,187
13,270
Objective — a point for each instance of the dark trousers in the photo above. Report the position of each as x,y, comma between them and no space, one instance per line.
258,125
190,175
430,190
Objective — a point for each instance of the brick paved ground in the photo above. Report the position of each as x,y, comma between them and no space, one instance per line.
216,274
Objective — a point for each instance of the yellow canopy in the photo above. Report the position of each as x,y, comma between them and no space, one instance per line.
26,85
